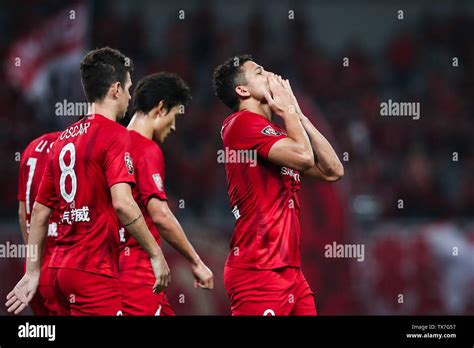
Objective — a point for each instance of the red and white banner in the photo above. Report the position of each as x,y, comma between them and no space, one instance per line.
58,42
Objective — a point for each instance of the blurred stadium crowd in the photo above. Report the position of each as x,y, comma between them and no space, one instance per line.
387,159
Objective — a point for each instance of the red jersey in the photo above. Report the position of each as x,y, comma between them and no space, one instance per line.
34,160
149,164
87,159
263,196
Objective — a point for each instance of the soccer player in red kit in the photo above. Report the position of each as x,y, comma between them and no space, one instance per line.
89,177
263,274
32,166
157,100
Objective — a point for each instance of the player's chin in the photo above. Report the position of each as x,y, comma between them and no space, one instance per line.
260,96
269,92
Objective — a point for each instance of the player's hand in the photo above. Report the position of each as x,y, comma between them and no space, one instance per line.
203,277
287,85
23,292
279,98
162,273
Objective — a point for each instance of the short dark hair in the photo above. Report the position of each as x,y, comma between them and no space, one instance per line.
227,76
102,67
164,86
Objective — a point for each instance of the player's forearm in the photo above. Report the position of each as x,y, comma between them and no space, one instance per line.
171,230
296,132
326,158
132,220
22,221
37,237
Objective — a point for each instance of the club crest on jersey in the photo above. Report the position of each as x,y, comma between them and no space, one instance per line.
128,162
268,130
158,181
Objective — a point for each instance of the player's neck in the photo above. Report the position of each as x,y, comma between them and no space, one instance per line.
102,108
141,125
257,108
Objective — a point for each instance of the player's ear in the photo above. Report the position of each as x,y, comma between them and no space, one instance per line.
242,91
115,89
159,110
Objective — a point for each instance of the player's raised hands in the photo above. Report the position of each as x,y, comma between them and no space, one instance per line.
162,273
22,294
203,277
287,85
279,98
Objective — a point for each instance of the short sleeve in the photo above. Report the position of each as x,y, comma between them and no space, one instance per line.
47,192
118,163
251,131
150,176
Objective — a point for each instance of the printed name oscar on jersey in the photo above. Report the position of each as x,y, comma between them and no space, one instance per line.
73,131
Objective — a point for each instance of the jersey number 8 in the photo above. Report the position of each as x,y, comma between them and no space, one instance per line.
68,170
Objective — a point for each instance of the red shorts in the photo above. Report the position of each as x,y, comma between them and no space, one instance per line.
38,302
282,291
44,302
83,293
139,299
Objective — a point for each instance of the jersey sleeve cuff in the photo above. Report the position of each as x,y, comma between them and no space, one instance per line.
161,197
129,181
46,202
268,145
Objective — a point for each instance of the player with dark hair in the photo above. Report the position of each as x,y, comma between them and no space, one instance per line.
262,274
34,160
157,100
89,179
